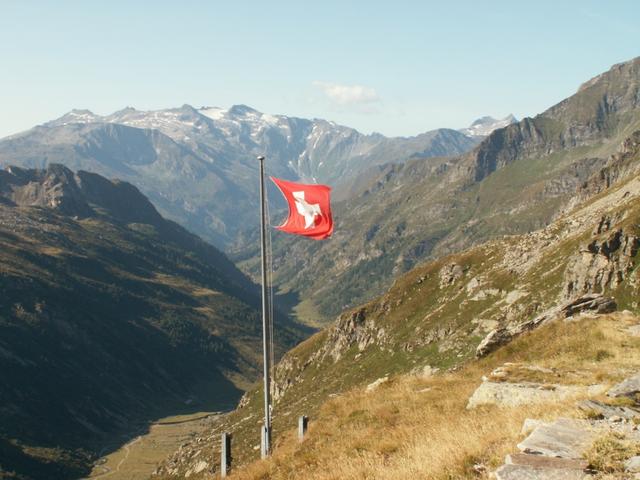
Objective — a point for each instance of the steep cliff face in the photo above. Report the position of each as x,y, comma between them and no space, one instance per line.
619,165
604,108
76,194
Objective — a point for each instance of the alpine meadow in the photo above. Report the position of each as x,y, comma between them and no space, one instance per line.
332,241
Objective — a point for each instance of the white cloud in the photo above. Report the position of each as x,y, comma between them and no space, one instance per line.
348,95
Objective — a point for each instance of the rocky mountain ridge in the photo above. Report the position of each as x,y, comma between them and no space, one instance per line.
516,180
198,166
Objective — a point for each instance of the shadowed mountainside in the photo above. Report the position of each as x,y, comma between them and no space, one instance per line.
110,316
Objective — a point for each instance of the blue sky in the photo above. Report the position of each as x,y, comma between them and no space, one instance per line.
399,68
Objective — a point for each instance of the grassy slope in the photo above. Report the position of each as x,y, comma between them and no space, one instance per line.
413,427
424,322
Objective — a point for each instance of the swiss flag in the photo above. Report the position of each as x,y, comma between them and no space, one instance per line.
309,209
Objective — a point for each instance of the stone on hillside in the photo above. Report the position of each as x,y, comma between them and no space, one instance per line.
626,388
424,372
610,412
634,330
529,425
564,438
197,468
633,464
515,394
525,472
540,461
515,295
494,339
485,293
593,303
473,284
449,274
372,386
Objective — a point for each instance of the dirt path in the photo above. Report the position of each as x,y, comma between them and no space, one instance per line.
127,450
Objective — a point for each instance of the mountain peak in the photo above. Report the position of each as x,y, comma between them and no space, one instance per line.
242,110
74,194
483,126
630,68
74,116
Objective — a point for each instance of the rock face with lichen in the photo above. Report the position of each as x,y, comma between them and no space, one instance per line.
603,263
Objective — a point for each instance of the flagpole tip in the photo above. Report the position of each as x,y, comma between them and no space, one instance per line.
260,158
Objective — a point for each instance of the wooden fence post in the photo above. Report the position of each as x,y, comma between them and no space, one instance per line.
264,442
302,426
225,455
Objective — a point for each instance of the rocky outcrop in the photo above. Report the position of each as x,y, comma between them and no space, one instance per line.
78,194
55,187
627,388
619,165
449,274
557,450
527,393
354,328
603,263
506,333
564,438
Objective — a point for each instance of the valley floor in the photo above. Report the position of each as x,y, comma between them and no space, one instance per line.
137,459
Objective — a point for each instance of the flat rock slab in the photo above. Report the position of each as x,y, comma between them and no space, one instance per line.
525,472
540,461
564,438
633,464
626,388
607,411
515,394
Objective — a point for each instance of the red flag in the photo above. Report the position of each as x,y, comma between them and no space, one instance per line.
309,209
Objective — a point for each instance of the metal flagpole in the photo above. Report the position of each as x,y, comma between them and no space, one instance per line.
266,429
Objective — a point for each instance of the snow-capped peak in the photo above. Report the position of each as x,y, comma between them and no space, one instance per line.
214,113
75,116
483,126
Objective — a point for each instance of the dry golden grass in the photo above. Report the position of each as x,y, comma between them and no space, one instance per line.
420,428
608,453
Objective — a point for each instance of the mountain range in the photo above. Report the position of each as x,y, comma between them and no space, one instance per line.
198,166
